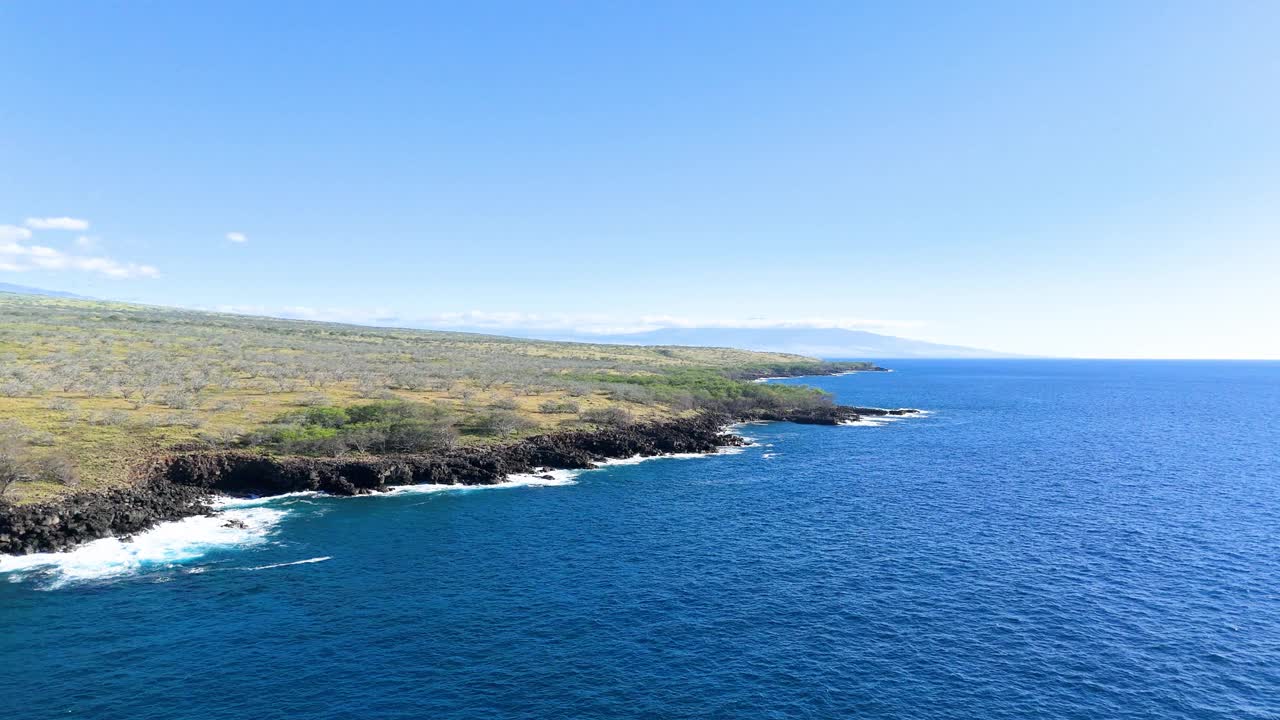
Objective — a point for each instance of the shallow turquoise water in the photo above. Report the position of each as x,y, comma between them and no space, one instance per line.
1057,539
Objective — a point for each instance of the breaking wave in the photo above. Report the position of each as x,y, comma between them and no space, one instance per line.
163,546
239,522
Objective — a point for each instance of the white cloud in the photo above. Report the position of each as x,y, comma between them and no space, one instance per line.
86,242
16,255
57,223
237,237
583,323
13,233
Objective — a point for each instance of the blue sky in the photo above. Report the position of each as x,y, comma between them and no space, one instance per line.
1087,179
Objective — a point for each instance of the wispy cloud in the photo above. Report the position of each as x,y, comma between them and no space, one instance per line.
237,237
57,223
587,324
13,234
608,324
18,255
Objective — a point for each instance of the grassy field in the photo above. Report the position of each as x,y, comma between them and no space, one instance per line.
88,388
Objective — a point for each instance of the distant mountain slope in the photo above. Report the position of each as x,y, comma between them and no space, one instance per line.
25,290
815,342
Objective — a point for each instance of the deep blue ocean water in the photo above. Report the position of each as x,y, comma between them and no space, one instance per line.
1057,540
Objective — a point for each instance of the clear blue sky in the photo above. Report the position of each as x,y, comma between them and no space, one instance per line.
1077,178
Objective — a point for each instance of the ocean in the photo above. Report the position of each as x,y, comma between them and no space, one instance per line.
1055,539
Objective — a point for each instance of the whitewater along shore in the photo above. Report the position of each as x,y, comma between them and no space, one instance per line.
182,485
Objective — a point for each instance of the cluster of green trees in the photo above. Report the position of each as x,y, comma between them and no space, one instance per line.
390,426
375,427
796,368
705,389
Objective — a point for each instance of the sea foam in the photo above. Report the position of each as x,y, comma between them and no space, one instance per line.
308,561
882,420
164,545
191,538
540,478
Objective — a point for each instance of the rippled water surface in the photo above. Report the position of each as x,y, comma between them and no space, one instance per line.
1057,540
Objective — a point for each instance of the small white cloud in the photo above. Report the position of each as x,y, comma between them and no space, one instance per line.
237,237
13,233
57,223
18,256
86,242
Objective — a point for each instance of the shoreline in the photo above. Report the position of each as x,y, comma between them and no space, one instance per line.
808,372
185,485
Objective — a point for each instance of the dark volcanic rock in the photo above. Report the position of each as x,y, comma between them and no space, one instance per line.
247,473
816,370
180,485
79,518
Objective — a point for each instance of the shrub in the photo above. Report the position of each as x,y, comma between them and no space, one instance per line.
187,420
224,437
394,410
500,422
41,438
13,465
418,436
564,406
55,469
506,404
395,426
179,400
110,417
608,416
633,393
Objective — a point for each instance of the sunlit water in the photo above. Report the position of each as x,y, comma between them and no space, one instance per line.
1057,539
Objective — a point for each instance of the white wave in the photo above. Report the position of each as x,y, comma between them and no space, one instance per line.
188,539
882,420
547,477
227,502
635,459
165,544
539,478
864,421
308,561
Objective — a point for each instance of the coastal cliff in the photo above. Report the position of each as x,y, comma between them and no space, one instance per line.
181,485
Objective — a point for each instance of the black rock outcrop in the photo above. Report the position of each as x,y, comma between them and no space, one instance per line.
181,485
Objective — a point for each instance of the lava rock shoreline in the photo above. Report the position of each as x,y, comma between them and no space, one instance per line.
182,485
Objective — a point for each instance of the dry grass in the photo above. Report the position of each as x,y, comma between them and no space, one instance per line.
105,384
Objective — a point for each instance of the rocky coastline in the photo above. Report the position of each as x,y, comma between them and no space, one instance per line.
783,373
182,485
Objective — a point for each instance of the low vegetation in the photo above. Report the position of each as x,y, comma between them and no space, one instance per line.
708,389
393,426
87,388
